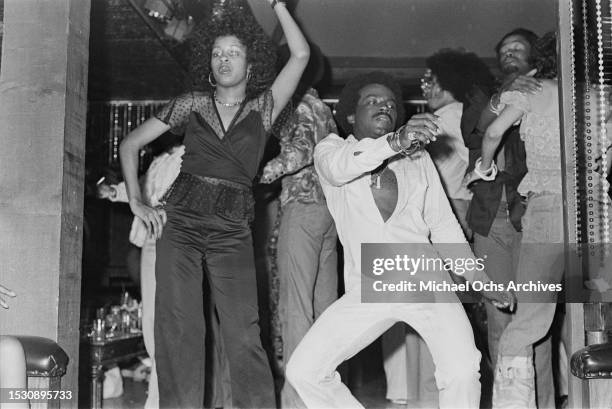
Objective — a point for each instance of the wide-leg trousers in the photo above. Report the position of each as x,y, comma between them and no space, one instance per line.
191,244
308,275
349,325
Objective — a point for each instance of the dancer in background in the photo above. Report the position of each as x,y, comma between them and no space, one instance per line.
540,256
203,228
497,207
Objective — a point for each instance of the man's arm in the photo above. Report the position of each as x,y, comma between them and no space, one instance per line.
338,161
495,131
297,152
292,158
486,108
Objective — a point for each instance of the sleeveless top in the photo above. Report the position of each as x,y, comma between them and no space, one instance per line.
210,150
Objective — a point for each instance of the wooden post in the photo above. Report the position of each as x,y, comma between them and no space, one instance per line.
43,105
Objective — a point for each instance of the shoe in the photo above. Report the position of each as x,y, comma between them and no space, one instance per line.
399,401
514,383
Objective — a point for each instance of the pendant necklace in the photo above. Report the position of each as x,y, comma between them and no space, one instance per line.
226,104
375,181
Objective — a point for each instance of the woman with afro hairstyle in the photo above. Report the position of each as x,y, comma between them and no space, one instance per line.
203,223
541,250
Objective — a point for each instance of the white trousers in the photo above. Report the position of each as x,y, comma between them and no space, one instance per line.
349,325
147,290
409,367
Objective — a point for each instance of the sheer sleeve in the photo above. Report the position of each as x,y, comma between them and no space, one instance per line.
176,112
265,105
516,99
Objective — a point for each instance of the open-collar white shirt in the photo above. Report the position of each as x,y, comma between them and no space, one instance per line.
422,213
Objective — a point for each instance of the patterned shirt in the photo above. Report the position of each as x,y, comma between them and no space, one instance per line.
310,123
540,132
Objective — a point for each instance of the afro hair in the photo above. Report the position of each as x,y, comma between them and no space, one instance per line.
528,35
544,56
238,22
460,72
349,97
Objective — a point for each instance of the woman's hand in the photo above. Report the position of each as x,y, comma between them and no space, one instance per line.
153,218
522,83
501,299
5,291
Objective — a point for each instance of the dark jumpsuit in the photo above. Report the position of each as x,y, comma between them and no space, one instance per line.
209,209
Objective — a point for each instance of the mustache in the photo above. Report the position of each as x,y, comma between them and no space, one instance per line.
385,113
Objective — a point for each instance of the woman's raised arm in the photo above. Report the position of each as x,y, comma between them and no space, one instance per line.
287,80
495,131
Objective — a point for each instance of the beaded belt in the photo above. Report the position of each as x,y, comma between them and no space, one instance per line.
211,196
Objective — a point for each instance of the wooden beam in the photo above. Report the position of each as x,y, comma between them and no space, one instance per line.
43,108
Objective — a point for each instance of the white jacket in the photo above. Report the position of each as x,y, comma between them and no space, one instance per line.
161,173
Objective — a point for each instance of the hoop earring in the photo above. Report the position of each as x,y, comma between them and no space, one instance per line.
212,84
248,76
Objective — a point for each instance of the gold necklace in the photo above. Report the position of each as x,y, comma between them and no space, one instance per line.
226,104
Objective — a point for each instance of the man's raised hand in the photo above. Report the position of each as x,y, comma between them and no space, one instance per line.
424,127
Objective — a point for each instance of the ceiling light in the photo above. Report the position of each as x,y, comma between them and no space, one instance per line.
158,9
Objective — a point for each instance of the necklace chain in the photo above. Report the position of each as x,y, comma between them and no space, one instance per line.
227,104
